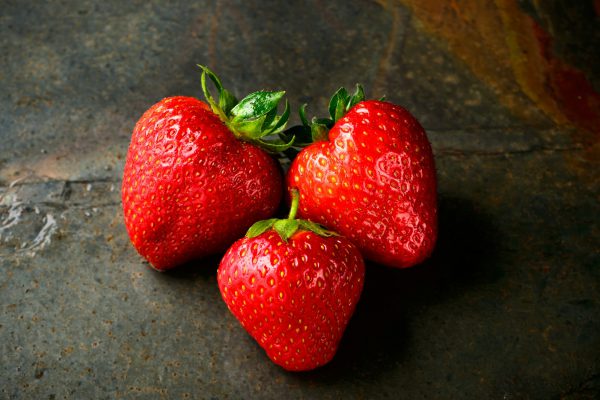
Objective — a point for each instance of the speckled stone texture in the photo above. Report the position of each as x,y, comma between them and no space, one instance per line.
507,307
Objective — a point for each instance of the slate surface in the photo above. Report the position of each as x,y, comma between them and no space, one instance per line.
506,308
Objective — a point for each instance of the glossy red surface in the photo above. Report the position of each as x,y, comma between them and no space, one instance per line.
296,297
374,182
190,188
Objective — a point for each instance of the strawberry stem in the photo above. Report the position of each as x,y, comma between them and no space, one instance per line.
287,227
294,205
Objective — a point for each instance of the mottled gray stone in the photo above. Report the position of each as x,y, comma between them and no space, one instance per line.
506,308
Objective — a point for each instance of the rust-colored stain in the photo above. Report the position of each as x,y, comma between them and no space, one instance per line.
513,54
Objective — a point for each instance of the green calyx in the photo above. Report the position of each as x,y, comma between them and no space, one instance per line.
318,128
341,102
252,119
287,227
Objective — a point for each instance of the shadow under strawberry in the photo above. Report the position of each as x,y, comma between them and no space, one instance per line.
378,334
193,270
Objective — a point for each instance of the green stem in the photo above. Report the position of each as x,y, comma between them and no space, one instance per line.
287,227
294,205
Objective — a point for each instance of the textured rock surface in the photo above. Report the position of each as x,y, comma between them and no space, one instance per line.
506,308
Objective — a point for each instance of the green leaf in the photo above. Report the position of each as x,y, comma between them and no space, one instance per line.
225,98
256,104
316,228
319,132
212,76
269,120
286,227
286,135
260,227
249,129
340,111
340,96
318,128
357,97
281,121
251,119
333,102
205,90
302,112
323,121
252,123
226,101
274,146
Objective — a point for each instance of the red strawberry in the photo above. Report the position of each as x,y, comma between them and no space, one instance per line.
293,286
372,179
196,179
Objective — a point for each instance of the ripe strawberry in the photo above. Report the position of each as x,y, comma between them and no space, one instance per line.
196,179
371,177
293,286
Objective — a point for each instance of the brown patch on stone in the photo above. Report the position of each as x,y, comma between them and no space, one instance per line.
505,48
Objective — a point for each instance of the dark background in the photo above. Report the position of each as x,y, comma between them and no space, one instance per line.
507,307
